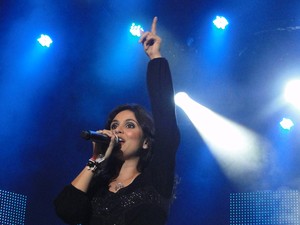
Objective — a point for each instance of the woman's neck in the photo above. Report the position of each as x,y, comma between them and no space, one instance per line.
127,174
129,169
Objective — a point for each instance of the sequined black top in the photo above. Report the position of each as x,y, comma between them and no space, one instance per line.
146,200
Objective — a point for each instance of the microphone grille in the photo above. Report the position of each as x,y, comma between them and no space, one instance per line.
85,134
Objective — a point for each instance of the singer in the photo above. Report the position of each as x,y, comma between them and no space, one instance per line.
130,181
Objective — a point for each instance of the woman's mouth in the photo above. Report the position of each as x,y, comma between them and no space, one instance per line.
120,140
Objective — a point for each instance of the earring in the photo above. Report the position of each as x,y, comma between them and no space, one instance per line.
145,145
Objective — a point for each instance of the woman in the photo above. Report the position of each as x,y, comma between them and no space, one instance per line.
131,183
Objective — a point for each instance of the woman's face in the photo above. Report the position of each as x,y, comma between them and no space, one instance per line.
130,133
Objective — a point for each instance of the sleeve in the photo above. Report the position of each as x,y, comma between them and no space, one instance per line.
72,205
161,93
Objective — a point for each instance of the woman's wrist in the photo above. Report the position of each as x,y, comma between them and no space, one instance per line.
94,162
154,56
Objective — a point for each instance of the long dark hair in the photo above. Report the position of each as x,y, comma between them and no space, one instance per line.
113,165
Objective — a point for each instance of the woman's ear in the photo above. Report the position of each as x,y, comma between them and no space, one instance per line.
145,144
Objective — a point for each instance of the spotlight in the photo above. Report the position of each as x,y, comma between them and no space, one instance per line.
45,40
220,22
286,123
136,30
239,151
180,98
292,93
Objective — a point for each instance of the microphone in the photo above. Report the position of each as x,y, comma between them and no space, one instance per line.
96,137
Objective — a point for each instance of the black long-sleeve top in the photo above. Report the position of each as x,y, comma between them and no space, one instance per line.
147,199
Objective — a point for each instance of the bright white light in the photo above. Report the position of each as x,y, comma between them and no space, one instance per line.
239,151
45,40
180,98
292,93
286,124
136,30
220,22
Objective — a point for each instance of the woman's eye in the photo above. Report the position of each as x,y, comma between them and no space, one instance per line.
130,125
113,126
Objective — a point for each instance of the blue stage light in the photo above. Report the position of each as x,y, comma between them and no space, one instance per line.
13,207
136,30
45,40
286,123
220,22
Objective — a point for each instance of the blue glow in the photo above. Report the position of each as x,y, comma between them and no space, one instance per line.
136,30
220,22
286,123
45,40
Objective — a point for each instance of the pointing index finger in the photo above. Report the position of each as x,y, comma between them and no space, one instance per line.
153,27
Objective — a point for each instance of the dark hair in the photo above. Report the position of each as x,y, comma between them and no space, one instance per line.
113,164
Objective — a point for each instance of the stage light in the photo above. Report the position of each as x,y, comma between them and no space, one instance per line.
292,93
13,207
45,40
265,207
220,22
136,30
180,98
239,151
286,123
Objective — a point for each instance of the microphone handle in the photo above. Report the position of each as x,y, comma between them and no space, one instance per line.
94,136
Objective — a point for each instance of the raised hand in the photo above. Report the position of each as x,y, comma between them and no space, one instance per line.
151,42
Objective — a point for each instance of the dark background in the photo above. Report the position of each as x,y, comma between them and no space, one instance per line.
48,95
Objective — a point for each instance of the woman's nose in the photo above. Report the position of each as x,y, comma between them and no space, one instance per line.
118,131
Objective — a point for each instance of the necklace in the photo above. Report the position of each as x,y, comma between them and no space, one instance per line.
119,185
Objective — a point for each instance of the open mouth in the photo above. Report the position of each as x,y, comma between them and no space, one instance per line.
120,140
